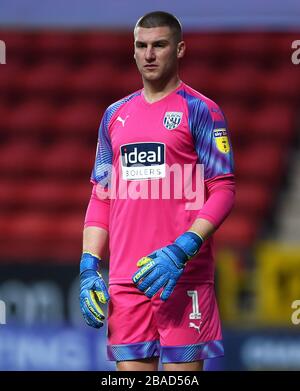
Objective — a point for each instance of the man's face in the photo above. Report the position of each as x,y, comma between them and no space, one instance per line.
156,52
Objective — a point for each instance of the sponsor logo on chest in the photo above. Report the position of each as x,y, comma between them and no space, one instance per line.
143,161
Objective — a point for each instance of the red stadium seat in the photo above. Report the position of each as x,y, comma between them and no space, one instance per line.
238,231
97,78
67,241
31,233
237,117
128,83
282,45
253,198
31,117
55,195
105,44
204,46
261,162
9,78
273,122
8,192
19,159
282,84
199,76
68,160
247,47
239,81
80,118
47,78
55,44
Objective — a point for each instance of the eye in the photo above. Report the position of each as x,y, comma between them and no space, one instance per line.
159,44
140,45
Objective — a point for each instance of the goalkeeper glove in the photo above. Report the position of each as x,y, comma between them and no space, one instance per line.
93,291
163,267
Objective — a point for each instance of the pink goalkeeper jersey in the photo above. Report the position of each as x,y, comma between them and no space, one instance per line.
151,158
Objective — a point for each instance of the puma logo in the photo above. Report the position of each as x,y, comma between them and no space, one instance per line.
122,120
192,324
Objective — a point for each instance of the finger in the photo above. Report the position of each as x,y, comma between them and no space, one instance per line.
89,298
148,280
141,273
156,286
89,317
168,289
100,287
95,307
143,261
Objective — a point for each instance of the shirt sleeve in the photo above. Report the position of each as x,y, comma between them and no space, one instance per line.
220,199
212,143
102,170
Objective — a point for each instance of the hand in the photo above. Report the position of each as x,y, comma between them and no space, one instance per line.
93,291
163,267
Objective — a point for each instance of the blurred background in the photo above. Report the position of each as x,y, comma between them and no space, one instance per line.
62,64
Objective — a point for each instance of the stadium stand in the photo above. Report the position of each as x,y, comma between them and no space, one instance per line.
55,90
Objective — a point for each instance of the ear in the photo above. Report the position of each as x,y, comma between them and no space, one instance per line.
181,49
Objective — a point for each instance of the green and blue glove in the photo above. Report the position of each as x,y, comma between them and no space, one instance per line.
163,267
93,291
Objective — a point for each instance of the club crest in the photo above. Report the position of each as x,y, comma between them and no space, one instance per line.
172,119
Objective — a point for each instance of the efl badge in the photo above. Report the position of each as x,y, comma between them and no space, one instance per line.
221,139
172,119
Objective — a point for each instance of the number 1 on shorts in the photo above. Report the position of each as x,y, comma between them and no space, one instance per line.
196,314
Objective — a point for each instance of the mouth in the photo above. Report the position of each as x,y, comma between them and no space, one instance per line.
150,66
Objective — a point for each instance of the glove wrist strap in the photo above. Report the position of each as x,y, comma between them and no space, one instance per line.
89,261
190,243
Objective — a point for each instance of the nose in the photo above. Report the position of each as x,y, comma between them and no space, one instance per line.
149,54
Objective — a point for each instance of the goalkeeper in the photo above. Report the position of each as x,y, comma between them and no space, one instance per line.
160,297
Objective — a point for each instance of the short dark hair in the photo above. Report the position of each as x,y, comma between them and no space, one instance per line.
161,19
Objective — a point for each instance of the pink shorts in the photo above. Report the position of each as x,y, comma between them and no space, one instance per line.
184,328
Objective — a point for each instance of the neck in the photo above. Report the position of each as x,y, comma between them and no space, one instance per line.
156,90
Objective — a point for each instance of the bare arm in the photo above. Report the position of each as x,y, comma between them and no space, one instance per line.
203,228
95,241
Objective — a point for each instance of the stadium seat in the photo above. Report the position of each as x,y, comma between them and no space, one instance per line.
282,84
95,79
19,159
250,48
55,195
238,231
55,44
203,46
32,117
261,162
237,118
199,76
253,198
238,81
105,44
68,160
47,78
275,122
80,118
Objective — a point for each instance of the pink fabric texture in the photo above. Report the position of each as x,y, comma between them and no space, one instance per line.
97,214
170,322
220,199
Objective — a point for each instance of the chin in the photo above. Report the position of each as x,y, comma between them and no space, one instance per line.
151,77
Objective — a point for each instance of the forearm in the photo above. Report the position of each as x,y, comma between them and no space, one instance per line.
95,241
203,228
